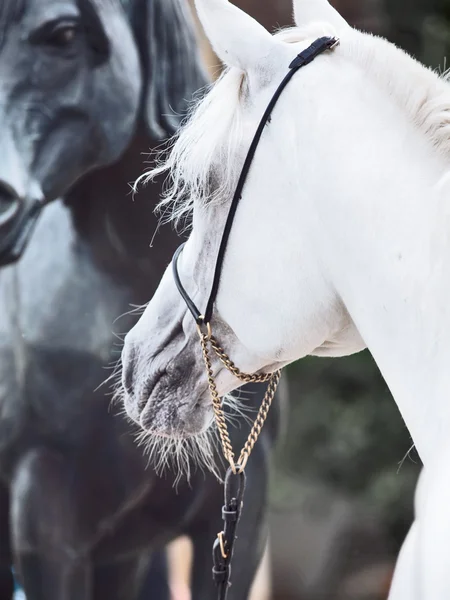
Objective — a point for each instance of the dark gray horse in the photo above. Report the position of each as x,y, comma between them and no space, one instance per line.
86,88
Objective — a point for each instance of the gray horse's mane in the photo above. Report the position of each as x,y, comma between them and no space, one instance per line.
165,34
171,59
10,11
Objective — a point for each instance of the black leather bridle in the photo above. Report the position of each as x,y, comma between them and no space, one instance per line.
304,58
235,479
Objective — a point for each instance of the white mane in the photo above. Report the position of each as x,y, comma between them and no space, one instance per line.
206,144
208,138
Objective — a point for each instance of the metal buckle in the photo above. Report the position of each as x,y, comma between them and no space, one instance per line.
222,545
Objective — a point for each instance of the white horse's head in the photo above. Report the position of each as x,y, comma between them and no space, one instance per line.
315,194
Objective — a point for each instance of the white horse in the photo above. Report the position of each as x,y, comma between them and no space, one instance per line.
341,241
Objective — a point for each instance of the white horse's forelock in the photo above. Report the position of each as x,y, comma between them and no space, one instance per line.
206,143
208,138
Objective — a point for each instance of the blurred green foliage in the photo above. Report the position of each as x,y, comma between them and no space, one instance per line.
422,27
345,430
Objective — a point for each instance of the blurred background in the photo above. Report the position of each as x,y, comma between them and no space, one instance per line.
345,471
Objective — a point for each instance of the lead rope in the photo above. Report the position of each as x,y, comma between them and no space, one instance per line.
231,511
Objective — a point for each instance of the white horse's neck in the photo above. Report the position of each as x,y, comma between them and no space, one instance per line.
393,277
387,239
418,91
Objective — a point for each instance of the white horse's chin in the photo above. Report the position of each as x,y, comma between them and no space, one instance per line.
182,443
180,424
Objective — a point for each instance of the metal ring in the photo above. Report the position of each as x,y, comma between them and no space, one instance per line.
240,466
234,487
232,464
201,325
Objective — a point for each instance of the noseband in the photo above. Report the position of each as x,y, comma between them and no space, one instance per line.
223,548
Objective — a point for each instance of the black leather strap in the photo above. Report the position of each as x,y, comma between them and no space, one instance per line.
189,302
231,513
303,59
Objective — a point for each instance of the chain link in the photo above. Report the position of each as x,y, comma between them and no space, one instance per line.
273,380
229,364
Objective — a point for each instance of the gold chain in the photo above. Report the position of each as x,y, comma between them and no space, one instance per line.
273,380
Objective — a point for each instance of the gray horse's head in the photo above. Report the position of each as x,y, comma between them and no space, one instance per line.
75,78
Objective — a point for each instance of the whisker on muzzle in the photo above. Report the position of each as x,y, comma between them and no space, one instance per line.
182,456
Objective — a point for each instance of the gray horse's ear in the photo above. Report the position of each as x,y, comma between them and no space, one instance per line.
172,65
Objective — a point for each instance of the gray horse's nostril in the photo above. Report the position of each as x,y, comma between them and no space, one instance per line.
10,203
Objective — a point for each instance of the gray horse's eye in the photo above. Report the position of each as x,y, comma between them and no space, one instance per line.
57,34
63,34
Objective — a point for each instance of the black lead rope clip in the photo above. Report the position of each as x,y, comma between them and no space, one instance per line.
224,543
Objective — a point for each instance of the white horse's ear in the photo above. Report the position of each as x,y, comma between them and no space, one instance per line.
311,11
237,39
